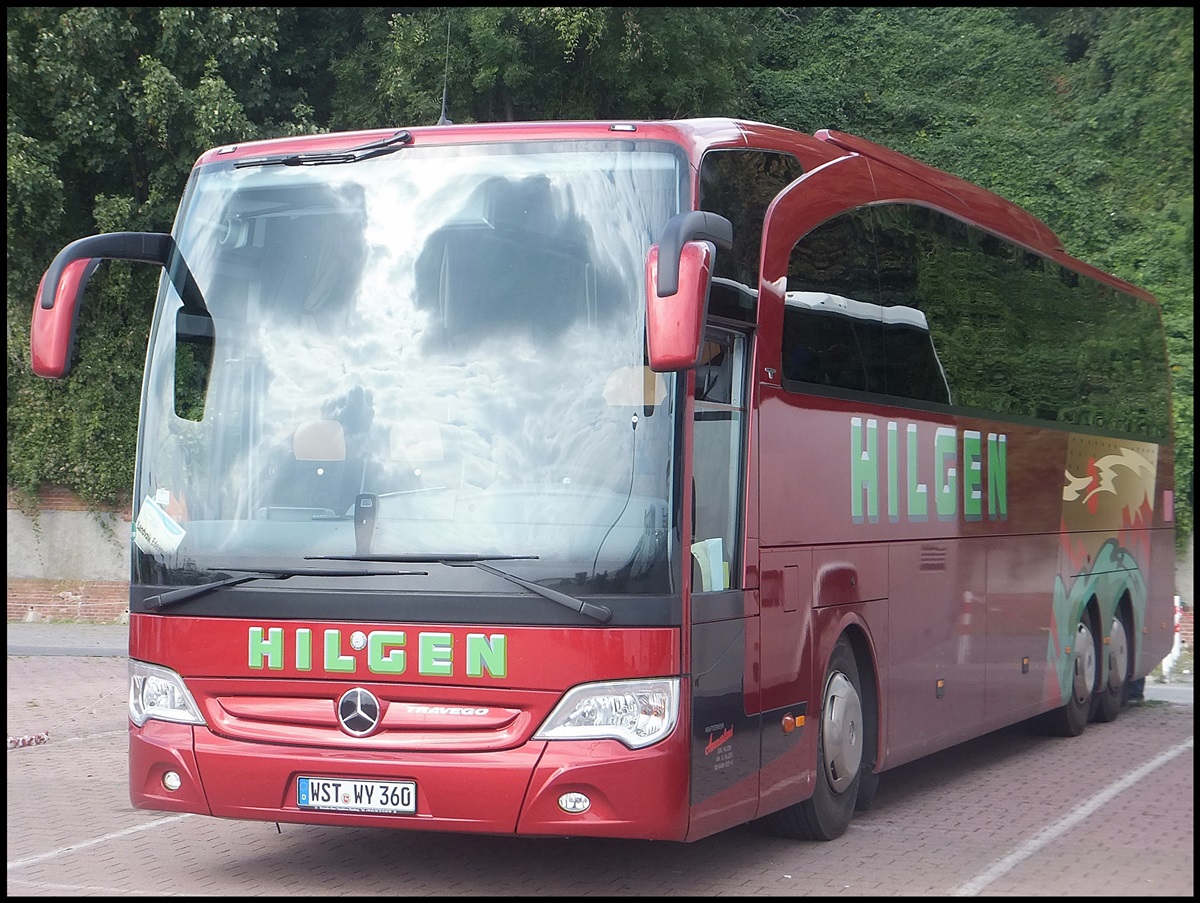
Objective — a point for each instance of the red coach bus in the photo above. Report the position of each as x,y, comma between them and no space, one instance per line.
631,479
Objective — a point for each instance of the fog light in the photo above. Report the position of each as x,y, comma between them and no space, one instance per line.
574,802
172,781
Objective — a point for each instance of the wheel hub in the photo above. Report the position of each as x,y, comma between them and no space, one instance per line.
842,731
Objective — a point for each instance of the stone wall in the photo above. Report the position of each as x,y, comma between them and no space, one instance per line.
71,564
66,563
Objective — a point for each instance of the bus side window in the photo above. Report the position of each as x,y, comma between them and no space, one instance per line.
718,461
832,341
740,184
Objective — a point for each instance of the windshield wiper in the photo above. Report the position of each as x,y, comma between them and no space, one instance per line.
600,613
320,158
187,593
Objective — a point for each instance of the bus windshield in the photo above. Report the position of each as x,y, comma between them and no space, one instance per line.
437,352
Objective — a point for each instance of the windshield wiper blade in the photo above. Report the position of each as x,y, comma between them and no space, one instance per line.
601,613
321,158
187,593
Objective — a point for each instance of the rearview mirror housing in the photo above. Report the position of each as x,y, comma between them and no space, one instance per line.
675,323
60,292
679,273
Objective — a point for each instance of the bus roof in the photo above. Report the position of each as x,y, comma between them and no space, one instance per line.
891,169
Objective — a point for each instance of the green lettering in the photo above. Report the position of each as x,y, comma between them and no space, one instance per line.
997,455
487,653
303,649
436,655
918,493
893,471
864,471
972,476
334,660
270,647
945,457
384,655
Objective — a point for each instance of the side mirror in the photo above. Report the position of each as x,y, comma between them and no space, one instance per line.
60,292
678,276
52,332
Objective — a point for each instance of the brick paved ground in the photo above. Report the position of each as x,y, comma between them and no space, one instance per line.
1110,813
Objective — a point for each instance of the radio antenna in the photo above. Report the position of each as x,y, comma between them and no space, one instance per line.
442,120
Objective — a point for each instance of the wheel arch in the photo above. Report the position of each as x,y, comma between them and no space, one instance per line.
1092,614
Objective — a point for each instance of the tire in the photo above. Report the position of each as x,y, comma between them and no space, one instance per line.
868,784
840,737
1070,719
1111,696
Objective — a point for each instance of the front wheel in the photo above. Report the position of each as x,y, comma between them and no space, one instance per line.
826,814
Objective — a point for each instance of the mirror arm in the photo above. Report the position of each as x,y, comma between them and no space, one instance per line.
692,225
143,247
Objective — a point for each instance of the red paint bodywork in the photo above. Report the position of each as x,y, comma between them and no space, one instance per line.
266,729
810,573
52,329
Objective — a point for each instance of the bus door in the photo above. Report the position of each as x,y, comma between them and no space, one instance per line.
724,742
801,463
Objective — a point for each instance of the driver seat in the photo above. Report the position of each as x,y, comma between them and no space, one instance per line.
318,474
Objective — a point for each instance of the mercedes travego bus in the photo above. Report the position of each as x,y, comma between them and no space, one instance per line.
619,479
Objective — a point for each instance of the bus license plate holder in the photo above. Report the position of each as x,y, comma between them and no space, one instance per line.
357,795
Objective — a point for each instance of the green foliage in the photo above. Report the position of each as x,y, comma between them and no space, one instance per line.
517,63
108,108
1084,115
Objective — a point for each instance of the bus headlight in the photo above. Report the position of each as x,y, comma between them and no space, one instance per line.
157,692
636,712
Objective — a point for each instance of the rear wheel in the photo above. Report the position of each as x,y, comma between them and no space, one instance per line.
826,814
1111,696
1070,719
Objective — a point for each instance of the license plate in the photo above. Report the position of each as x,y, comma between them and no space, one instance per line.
357,796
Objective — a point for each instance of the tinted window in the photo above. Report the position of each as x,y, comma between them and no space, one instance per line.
740,185
996,327
1019,334
837,333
